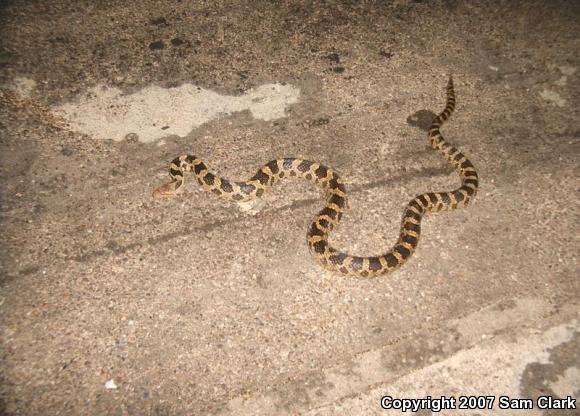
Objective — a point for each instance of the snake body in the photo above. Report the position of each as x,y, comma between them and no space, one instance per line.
329,217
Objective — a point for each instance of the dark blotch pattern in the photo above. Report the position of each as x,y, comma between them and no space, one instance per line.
374,264
209,179
333,183
469,190
304,166
321,172
338,200
458,196
423,200
273,166
470,181
247,188
319,247
431,196
226,186
261,176
413,227
403,251
199,168
338,258
329,212
415,204
287,164
314,230
356,263
409,239
466,165
391,260
412,214
445,198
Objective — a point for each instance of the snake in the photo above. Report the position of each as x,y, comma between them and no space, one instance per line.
336,204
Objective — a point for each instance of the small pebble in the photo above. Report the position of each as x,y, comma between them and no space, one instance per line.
110,385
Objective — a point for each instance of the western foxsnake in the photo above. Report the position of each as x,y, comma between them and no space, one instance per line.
329,217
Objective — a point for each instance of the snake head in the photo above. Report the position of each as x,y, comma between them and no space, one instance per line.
165,191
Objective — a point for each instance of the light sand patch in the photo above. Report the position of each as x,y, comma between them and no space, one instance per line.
568,383
24,86
494,369
553,97
567,69
156,112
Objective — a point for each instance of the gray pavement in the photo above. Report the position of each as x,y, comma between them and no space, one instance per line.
114,303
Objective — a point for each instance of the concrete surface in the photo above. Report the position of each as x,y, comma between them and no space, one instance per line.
156,112
112,303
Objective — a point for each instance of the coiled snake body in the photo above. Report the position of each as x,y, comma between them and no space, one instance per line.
329,217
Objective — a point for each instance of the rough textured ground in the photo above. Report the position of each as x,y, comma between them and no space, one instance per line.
113,303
